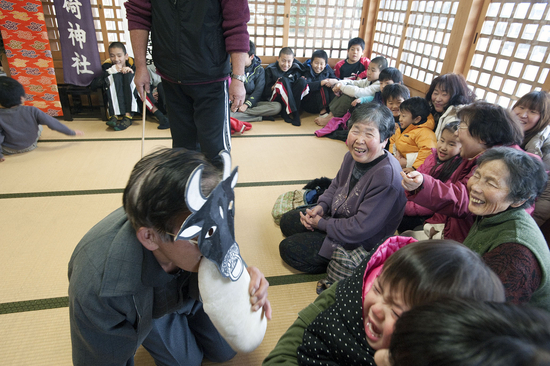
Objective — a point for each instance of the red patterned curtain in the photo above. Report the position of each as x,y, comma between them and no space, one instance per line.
28,50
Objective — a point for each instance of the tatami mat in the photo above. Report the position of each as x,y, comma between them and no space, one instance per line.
52,196
99,130
43,337
38,237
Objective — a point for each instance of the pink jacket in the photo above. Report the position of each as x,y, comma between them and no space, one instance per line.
415,209
451,199
376,261
333,125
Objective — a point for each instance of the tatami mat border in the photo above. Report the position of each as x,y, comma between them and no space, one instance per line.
167,138
62,302
121,190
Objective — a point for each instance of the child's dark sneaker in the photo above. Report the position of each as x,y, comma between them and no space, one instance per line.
112,121
163,123
123,124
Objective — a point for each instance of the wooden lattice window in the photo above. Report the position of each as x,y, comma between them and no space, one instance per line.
323,24
418,49
427,37
266,26
304,25
109,22
389,30
512,51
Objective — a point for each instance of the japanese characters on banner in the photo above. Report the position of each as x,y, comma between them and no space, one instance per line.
28,53
78,41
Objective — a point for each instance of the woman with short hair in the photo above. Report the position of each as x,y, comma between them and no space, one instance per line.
482,126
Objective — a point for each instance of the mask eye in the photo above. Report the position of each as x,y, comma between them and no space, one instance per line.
211,232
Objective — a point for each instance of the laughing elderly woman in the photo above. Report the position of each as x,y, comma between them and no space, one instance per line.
505,182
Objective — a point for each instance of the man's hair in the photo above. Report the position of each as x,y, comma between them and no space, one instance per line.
375,114
286,51
252,50
455,85
395,91
155,194
356,41
455,332
391,73
433,269
381,62
491,124
320,54
527,178
11,92
538,101
418,107
118,45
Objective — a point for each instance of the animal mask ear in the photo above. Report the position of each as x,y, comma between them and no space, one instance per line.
193,192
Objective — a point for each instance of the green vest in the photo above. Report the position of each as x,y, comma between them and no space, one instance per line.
514,226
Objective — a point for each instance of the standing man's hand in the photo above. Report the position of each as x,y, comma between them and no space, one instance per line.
141,79
237,94
139,39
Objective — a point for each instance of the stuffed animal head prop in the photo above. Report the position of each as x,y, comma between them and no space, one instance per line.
212,220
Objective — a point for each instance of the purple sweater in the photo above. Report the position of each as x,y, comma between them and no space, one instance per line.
19,126
371,212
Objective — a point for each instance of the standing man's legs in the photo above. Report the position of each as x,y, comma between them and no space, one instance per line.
211,106
179,106
199,114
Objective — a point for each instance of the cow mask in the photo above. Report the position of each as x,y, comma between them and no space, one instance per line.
212,220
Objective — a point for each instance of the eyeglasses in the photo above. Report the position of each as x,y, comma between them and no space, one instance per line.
192,241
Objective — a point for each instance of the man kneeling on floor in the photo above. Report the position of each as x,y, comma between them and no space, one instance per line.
132,282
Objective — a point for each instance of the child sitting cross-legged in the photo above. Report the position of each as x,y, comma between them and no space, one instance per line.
355,317
336,127
347,91
320,78
355,66
20,125
412,142
253,109
118,73
388,76
284,84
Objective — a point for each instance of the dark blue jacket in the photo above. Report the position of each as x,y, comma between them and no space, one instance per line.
255,82
273,72
313,79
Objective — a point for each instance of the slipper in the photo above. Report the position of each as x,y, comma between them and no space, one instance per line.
112,121
123,124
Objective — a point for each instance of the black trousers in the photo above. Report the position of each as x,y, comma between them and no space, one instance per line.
289,94
300,249
315,101
199,115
